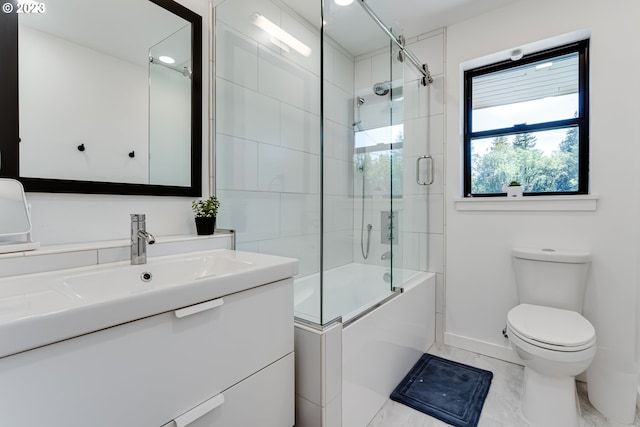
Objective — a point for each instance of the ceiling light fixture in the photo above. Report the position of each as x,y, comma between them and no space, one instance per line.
280,34
343,2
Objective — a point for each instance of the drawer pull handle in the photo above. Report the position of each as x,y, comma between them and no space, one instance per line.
193,309
199,411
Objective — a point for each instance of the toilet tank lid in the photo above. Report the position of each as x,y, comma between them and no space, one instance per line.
552,255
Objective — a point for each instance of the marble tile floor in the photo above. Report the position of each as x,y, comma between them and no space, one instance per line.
502,406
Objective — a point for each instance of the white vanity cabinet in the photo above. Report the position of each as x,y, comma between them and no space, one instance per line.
224,362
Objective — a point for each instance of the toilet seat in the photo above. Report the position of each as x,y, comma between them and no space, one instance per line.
551,328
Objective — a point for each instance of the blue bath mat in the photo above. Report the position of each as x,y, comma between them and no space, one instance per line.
447,390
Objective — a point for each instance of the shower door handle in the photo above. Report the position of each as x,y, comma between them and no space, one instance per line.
429,161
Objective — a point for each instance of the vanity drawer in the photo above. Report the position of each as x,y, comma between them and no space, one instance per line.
145,373
264,399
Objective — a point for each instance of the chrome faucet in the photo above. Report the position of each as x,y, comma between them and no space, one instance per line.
386,255
139,239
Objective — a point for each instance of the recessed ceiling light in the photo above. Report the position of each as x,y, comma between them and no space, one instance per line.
343,2
167,59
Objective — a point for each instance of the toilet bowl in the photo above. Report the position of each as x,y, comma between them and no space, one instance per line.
555,346
549,333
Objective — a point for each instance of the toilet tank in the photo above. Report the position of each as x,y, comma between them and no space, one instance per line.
551,277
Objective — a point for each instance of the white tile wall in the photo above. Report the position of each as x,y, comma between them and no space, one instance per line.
363,79
300,129
285,170
300,214
254,215
415,137
436,134
304,247
337,248
318,376
337,177
380,68
247,114
339,104
268,137
282,80
342,75
338,213
241,157
338,140
237,57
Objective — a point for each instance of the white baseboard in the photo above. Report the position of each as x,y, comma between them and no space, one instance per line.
497,351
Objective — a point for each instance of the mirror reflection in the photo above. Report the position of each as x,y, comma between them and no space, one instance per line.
106,93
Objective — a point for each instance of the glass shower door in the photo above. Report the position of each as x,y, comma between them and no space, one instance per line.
362,149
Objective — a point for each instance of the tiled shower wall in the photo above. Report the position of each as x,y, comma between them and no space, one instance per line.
268,137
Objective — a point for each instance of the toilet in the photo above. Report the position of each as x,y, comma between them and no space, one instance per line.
549,333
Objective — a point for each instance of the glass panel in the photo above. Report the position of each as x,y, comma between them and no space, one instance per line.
540,92
267,135
396,165
316,174
364,138
544,161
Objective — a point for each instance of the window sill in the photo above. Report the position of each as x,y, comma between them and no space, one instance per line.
528,203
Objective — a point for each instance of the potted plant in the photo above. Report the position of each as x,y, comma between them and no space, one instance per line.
206,211
513,189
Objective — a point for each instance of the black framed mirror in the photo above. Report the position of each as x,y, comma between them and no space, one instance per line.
102,101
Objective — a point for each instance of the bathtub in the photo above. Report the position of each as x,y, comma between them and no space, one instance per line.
346,370
349,291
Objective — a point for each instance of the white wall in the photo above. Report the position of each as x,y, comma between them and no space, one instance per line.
480,285
64,218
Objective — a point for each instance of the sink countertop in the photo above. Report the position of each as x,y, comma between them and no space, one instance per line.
43,308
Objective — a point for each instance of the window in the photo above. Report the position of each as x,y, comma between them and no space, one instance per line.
378,155
528,121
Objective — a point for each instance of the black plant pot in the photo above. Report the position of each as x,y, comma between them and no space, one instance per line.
205,226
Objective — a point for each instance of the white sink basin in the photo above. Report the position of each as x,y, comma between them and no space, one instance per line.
122,280
44,308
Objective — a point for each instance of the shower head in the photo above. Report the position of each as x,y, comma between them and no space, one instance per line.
382,88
